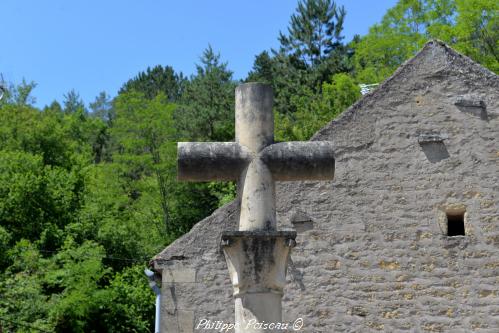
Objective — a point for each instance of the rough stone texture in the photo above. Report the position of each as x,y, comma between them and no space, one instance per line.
258,259
202,161
296,160
257,264
177,274
378,258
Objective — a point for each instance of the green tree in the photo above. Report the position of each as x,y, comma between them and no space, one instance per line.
102,107
476,32
469,26
314,31
206,111
309,55
73,102
315,111
291,78
24,304
35,199
21,95
144,130
71,229
5,238
158,80
111,218
130,305
77,272
262,69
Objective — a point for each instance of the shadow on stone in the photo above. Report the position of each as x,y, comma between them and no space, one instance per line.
301,221
296,274
433,146
474,106
435,151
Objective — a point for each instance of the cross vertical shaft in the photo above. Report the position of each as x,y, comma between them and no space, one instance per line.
255,131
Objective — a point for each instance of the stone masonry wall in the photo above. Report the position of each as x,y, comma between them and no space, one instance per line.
372,252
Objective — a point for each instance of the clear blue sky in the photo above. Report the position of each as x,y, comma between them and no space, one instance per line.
96,45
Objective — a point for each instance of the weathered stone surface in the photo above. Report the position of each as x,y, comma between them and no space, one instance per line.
257,263
178,322
473,105
301,221
377,258
254,117
258,260
178,274
254,159
204,161
435,151
300,160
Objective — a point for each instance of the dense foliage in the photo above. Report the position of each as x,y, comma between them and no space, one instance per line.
87,197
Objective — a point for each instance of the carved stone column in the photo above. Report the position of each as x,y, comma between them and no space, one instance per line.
257,263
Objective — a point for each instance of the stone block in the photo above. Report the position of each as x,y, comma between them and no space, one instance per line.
181,321
179,275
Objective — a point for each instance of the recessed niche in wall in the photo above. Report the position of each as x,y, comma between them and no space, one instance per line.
455,224
472,105
301,221
453,220
433,147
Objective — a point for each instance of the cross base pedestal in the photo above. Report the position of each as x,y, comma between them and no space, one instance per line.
257,262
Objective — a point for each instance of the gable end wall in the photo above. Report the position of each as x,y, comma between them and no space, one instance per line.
377,257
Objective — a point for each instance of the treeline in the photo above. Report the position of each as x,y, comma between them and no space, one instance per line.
88,195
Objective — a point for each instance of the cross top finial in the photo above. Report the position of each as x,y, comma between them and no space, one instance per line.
254,116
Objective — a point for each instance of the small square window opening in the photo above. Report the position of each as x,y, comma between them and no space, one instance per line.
455,224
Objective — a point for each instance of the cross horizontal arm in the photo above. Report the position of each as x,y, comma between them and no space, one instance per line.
206,161
311,160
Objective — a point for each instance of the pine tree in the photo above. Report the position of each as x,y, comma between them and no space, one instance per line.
207,106
314,31
73,102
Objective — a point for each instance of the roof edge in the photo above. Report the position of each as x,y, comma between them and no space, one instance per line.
165,255
349,113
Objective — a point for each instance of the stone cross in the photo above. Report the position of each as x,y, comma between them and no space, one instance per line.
256,254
